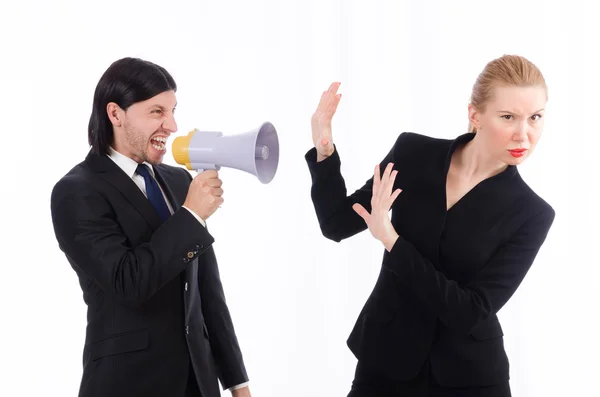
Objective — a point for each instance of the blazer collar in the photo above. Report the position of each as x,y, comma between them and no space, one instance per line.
120,179
509,172
164,176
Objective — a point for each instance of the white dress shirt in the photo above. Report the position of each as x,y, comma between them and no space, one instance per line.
129,166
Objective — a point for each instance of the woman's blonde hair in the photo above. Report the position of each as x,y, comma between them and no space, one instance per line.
508,70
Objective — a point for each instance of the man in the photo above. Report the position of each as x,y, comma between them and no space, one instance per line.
134,231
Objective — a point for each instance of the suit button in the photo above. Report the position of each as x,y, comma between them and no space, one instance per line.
190,255
185,286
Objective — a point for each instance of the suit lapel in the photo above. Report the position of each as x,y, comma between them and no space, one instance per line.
164,176
176,195
106,169
438,223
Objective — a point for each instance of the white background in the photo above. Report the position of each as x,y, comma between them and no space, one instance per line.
294,296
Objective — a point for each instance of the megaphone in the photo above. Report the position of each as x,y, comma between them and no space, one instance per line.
256,152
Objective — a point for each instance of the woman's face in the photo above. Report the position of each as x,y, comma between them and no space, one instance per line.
511,123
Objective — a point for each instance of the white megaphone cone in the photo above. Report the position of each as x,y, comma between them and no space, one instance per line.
255,152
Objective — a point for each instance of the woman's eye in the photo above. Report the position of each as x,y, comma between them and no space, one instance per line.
536,117
506,116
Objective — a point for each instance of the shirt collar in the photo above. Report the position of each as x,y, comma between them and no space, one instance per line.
128,165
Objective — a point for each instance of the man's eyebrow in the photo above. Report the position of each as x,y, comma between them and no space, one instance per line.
161,107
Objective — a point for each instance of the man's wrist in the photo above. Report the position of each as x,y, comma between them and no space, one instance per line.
241,390
202,221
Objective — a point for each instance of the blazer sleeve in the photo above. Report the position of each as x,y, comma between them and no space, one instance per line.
223,340
337,219
92,239
461,307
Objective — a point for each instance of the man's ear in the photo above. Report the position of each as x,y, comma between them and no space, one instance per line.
115,114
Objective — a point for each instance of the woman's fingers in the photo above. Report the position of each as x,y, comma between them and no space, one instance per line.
376,181
393,198
360,210
382,187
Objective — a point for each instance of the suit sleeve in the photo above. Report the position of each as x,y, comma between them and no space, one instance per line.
461,307
337,219
92,239
223,340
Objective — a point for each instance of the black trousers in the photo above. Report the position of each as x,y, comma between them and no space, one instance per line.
369,384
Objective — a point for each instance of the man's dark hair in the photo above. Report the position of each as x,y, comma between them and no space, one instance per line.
125,82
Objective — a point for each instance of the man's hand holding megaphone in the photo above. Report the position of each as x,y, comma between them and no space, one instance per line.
321,122
205,194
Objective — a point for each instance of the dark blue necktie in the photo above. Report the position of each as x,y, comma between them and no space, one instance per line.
154,193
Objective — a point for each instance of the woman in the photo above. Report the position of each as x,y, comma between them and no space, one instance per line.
465,229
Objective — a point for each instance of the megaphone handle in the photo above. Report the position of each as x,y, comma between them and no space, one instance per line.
199,171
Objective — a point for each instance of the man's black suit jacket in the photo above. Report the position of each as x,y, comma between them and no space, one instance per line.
153,291
450,272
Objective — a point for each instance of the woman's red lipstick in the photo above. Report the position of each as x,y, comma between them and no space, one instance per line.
517,152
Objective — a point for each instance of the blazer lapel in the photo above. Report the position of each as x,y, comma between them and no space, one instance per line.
164,176
439,204
106,169
176,196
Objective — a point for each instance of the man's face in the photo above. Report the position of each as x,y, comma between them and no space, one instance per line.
141,132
